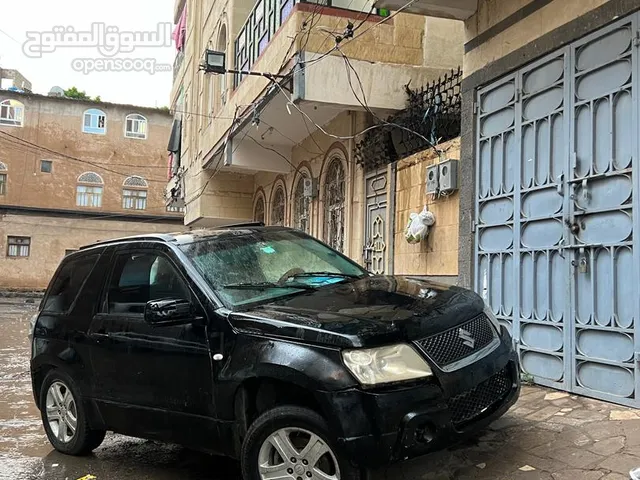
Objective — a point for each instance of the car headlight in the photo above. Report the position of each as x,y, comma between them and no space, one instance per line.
394,363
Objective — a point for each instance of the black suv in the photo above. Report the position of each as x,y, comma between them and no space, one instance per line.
263,344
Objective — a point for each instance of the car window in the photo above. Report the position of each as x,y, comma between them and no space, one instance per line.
68,282
263,257
141,277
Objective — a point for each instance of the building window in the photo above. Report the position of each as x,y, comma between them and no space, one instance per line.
134,199
278,206
3,179
18,246
95,121
258,210
334,193
46,166
134,193
136,126
11,113
301,206
89,190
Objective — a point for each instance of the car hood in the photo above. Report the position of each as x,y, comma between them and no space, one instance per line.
366,312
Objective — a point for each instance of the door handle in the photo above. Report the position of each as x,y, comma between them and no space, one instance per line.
218,357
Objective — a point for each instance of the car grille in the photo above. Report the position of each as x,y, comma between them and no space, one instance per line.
459,342
474,402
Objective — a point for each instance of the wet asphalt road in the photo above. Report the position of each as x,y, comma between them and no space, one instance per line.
25,453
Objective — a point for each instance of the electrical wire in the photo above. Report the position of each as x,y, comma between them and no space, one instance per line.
19,142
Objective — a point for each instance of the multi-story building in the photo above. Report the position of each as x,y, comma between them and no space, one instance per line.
74,172
549,194
281,149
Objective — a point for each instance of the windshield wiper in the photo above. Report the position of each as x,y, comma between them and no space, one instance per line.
325,274
266,286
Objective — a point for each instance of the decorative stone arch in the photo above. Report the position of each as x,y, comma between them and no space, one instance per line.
90,178
222,45
278,211
301,209
333,196
260,199
135,181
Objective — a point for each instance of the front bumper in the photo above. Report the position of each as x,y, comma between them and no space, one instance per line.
381,427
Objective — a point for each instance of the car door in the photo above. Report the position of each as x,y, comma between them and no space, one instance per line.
151,381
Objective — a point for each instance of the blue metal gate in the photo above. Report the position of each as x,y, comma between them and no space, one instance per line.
555,213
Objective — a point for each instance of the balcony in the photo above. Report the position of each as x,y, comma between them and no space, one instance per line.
453,9
177,64
267,17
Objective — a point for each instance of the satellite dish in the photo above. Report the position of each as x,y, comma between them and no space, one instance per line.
56,92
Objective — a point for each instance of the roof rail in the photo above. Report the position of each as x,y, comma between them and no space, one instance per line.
116,240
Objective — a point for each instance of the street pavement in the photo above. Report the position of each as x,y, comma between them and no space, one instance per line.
548,435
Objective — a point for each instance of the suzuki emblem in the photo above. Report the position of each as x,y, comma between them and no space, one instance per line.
467,338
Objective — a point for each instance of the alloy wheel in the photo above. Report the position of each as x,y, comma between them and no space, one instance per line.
298,454
61,412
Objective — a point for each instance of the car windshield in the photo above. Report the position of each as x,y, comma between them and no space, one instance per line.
258,267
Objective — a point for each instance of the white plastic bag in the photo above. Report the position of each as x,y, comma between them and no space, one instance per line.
418,225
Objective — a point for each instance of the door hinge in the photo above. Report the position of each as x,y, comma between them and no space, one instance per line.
518,95
473,226
636,39
475,108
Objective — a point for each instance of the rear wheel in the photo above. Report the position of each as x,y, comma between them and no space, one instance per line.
64,417
293,443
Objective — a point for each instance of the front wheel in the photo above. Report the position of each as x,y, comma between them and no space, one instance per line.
293,443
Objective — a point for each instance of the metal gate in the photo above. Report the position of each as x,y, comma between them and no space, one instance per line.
375,234
555,215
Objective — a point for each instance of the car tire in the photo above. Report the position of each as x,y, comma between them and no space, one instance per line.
296,423
60,403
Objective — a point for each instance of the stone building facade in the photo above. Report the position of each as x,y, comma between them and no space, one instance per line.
74,172
249,144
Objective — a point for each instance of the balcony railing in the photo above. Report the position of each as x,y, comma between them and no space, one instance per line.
177,64
268,16
264,21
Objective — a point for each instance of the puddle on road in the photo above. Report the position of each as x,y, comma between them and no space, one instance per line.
26,454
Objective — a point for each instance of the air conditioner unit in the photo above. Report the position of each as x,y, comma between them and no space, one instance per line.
309,187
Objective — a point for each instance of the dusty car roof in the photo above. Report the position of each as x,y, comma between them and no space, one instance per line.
190,236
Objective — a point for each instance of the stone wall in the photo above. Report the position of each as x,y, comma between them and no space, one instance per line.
437,256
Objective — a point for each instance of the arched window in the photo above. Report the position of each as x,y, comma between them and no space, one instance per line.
334,195
135,126
258,210
3,178
89,190
301,204
222,79
11,113
278,206
95,121
134,193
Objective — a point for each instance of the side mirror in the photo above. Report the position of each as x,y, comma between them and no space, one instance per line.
169,311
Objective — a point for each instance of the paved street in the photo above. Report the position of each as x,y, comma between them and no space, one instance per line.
548,435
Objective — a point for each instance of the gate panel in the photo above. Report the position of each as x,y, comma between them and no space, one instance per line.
496,184
543,267
556,217
604,263
375,235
